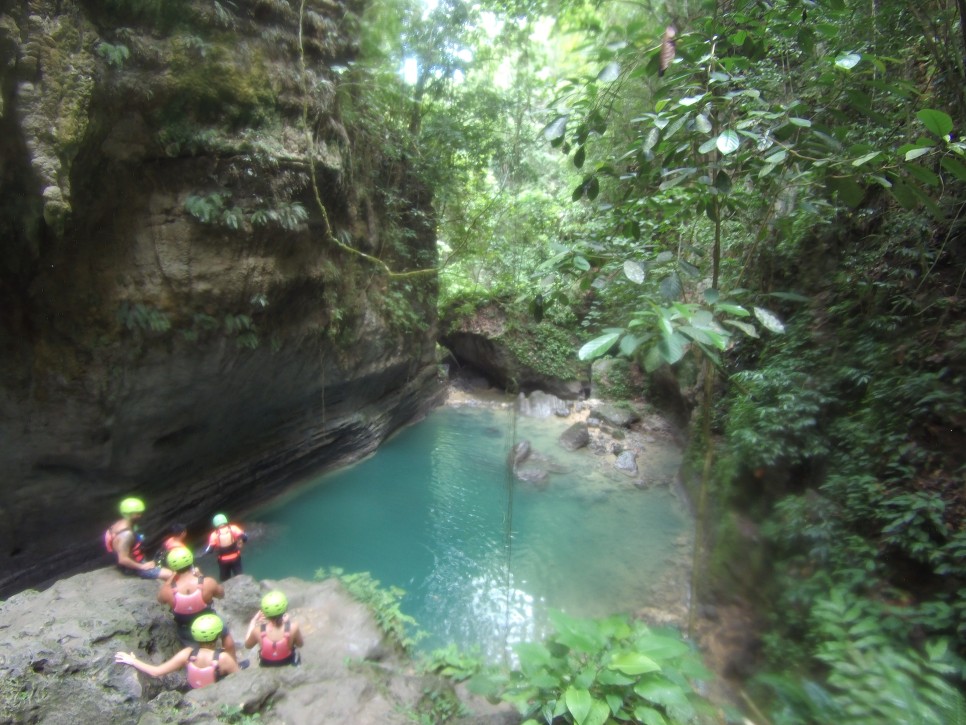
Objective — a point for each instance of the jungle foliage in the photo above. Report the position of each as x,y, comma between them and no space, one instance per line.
776,189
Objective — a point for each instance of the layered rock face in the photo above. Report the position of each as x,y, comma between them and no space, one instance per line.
198,298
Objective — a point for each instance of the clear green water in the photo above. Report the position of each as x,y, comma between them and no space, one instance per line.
482,558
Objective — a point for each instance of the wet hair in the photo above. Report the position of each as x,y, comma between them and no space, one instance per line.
178,528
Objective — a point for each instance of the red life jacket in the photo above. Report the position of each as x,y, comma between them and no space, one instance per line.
136,553
202,676
275,651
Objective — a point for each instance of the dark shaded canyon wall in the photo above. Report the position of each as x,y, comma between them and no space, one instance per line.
175,321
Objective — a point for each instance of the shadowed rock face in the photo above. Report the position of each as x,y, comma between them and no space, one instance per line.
58,659
175,321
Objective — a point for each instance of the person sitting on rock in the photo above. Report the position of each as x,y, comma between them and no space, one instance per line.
203,663
274,629
190,593
123,540
227,541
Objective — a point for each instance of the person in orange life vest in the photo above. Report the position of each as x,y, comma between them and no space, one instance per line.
122,540
204,663
227,540
190,594
277,634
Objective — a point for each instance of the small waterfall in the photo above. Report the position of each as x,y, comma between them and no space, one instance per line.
542,405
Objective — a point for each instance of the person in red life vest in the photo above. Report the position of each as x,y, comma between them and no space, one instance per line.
123,540
190,594
276,633
227,541
204,663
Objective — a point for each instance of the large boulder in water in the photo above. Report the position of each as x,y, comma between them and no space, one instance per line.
57,664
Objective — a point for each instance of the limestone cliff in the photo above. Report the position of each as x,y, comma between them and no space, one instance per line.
185,315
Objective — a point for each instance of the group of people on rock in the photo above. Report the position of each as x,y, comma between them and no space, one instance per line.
210,651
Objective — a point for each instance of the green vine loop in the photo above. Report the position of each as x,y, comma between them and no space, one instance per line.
310,142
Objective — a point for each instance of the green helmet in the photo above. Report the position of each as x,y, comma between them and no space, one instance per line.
219,520
180,558
274,604
206,628
131,506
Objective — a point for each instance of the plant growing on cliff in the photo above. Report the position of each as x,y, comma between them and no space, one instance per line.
591,672
115,55
384,603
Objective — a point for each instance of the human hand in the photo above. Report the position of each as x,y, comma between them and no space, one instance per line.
125,658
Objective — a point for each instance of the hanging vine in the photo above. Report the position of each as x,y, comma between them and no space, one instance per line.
330,237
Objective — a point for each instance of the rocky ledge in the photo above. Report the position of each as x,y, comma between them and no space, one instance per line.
57,661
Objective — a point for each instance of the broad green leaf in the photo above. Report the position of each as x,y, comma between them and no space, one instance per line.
848,61
671,287
702,123
769,320
954,167
556,128
923,174
598,715
917,152
848,190
661,691
777,157
867,157
745,327
650,141
611,72
579,157
903,194
711,295
578,702
801,122
728,142
633,271
691,100
581,263
598,346
731,309
661,647
633,663
629,344
673,347
648,716
765,170
708,145
936,121
653,359
593,188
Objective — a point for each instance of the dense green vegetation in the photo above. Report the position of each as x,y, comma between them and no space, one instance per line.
780,198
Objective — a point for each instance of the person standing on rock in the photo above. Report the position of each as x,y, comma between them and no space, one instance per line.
226,540
190,594
278,635
204,663
123,540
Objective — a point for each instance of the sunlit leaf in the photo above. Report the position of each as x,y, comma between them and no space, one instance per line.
634,271
633,663
731,309
745,327
802,122
556,128
917,152
578,702
611,72
708,145
866,158
769,320
598,346
848,61
702,123
673,347
728,142
648,716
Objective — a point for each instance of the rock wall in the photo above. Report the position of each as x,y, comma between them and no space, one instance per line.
184,311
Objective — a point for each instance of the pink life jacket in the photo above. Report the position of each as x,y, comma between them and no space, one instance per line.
202,676
188,603
275,651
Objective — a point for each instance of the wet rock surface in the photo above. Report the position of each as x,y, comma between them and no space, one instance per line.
57,663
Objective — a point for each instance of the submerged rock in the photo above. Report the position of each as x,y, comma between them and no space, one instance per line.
575,437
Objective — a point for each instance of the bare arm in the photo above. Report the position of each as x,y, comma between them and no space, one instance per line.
175,663
251,637
227,664
296,635
213,590
122,546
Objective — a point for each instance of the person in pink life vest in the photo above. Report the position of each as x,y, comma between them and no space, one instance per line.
226,541
190,594
204,663
278,636
123,541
